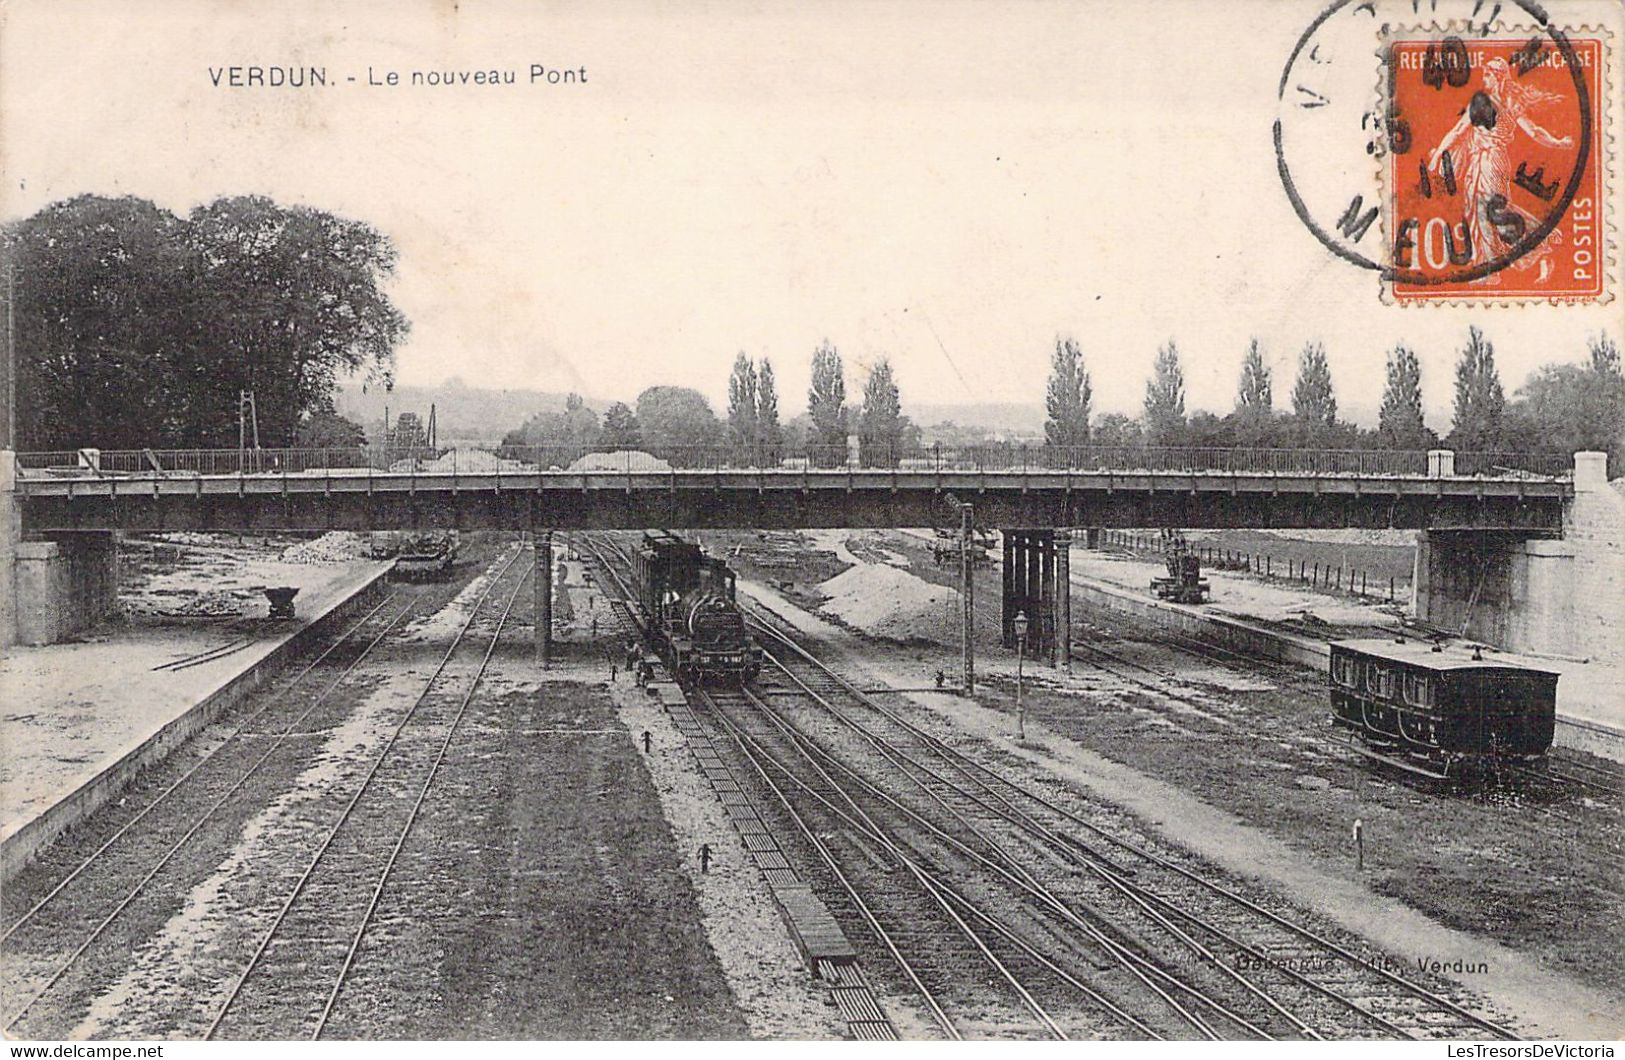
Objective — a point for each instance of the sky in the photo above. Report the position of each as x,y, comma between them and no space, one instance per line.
950,185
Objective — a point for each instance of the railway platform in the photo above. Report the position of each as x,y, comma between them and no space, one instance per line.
82,719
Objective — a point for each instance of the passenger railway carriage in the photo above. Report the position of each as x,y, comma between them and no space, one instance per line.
1442,710
690,610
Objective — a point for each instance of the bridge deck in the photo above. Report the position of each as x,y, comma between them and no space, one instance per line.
86,497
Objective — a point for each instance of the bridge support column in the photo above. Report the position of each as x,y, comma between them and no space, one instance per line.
11,535
1046,596
1007,596
1029,573
544,598
1063,600
56,586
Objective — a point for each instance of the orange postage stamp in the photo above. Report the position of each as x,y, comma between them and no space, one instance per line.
1496,164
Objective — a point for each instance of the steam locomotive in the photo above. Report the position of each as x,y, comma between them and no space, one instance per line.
688,603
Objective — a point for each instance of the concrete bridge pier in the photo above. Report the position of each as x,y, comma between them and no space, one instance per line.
57,586
1559,596
543,588
1037,584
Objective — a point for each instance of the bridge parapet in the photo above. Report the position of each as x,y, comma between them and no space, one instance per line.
1004,459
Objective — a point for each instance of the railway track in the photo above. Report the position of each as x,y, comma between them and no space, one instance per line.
1564,771
179,823
1219,929
879,803
85,913
295,977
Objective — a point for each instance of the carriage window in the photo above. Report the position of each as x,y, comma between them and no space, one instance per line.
1345,671
1380,681
1419,690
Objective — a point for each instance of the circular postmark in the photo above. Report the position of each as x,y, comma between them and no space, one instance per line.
1468,139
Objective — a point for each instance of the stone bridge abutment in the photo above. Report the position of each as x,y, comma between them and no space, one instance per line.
1556,595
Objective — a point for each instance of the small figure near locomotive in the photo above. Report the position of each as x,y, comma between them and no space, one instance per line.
690,612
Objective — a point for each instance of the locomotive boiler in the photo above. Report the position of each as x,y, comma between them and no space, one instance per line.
690,611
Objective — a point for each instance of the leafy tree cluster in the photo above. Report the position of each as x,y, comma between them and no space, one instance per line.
142,326
677,424
1571,408
328,430
1562,409
754,430
575,427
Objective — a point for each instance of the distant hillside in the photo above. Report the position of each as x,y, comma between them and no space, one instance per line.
1013,416
462,413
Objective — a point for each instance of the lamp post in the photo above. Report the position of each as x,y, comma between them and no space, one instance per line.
1020,623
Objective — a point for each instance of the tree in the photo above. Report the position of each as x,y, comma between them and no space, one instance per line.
1254,394
678,424
328,430
1165,399
621,430
288,299
1207,431
1115,429
408,432
1569,408
99,288
1604,357
1255,401
147,325
1399,423
1314,406
1480,401
743,430
880,421
769,432
826,404
575,429
1067,400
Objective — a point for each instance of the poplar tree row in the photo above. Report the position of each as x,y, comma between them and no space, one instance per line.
1562,408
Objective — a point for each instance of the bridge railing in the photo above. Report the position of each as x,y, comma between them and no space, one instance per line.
577,459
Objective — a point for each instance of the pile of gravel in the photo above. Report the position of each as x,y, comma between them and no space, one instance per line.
462,461
335,546
886,602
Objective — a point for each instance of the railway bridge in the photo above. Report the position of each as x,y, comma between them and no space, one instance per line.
60,510
535,488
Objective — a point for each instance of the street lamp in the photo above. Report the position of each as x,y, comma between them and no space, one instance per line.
1020,623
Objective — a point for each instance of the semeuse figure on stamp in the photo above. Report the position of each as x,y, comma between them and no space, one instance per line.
1484,136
